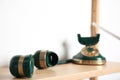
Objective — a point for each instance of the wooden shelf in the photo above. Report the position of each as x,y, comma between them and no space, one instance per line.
67,72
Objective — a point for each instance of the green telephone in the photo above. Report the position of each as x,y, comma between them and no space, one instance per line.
89,54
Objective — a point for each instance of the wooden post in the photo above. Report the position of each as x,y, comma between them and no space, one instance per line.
94,16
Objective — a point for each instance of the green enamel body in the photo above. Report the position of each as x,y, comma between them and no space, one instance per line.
88,41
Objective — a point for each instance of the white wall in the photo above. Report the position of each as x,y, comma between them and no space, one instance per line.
30,25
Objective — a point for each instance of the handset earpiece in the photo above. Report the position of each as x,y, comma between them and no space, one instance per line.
45,58
22,66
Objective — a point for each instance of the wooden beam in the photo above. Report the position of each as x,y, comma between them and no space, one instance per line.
94,16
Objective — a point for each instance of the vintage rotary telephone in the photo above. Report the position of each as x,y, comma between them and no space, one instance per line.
89,54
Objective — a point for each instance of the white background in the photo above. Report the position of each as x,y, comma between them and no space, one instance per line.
30,25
